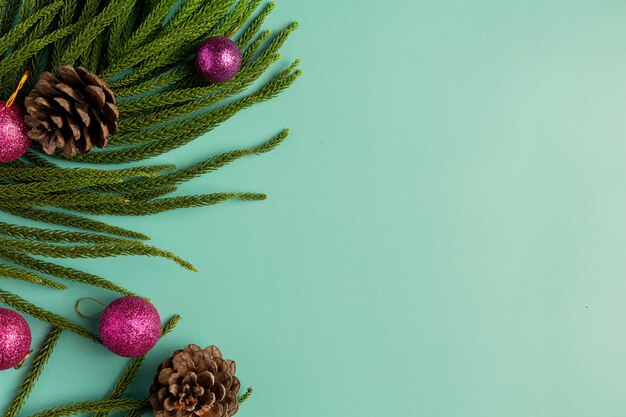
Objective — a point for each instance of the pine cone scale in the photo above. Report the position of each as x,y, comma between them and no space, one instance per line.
71,110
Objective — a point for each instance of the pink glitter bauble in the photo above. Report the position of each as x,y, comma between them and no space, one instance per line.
15,338
130,326
218,59
14,140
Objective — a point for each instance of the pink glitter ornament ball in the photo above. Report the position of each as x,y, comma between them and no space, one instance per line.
15,339
130,326
14,140
218,59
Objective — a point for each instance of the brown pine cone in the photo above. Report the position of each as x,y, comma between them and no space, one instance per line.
195,382
71,109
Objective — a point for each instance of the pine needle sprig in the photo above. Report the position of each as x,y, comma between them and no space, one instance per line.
159,80
149,207
22,28
9,12
90,9
209,165
72,220
39,160
231,23
255,25
104,250
36,189
35,174
56,236
93,28
62,272
150,194
242,399
23,306
19,274
150,25
118,33
67,200
16,59
138,412
184,12
34,372
254,46
105,406
66,18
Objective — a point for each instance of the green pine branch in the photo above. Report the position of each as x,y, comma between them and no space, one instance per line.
106,406
72,220
243,398
148,27
36,174
66,18
39,313
144,208
22,28
19,274
56,236
104,250
62,272
9,13
34,373
93,28
119,32
196,170
255,26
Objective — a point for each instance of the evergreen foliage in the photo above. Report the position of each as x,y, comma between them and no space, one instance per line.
144,50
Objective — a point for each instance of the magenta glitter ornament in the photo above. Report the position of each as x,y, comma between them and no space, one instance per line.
14,140
130,326
15,339
218,59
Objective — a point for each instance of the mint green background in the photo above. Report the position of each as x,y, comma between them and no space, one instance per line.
445,232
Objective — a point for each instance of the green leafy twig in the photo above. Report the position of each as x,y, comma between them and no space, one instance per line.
34,372
63,272
242,399
39,313
92,251
85,407
72,220
10,272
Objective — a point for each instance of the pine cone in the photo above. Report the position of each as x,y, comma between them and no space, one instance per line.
69,110
195,382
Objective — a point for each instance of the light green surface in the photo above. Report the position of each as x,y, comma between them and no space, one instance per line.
445,232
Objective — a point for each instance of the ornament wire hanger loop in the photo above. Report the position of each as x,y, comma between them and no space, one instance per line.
230,35
88,316
19,365
23,80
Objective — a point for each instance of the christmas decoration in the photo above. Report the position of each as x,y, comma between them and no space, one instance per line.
15,339
130,326
141,51
218,59
195,382
71,109
14,140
